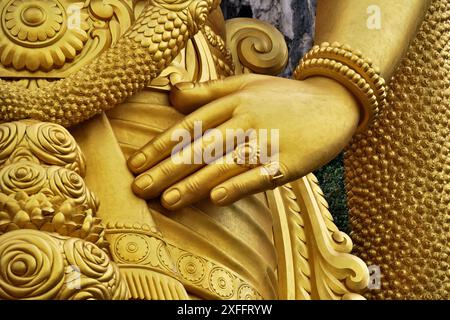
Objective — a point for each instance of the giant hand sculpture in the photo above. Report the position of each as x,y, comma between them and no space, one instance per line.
316,118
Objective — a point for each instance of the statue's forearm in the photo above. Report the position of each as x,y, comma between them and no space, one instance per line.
354,22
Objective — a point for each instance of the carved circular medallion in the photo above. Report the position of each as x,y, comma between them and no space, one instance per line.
191,268
132,247
222,283
33,23
245,292
37,35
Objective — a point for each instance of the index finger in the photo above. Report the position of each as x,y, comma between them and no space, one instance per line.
160,147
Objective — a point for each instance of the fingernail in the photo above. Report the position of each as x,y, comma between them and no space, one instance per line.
185,85
143,181
172,197
219,195
138,160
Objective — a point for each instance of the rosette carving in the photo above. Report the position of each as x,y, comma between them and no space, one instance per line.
51,38
221,282
92,261
40,185
245,292
54,182
27,177
38,35
54,145
191,268
40,142
99,277
40,265
69,185
10,136
31,266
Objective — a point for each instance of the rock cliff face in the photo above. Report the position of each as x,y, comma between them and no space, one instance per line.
294,18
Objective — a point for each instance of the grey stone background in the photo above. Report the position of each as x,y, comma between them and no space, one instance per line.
295,19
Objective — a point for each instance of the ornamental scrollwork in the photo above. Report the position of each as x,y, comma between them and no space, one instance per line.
53,38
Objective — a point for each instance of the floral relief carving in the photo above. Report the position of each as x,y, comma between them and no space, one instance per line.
32,266
46,38
212,278
54,182
40,265
41,186
52,245
30,25
41,143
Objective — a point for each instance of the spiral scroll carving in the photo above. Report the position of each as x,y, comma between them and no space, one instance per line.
256,47
156,38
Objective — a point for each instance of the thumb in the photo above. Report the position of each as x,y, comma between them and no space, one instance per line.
189,96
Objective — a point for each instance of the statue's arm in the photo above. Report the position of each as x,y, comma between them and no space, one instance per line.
381,29
315,118
360,44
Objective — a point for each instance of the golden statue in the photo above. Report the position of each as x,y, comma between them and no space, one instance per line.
125,76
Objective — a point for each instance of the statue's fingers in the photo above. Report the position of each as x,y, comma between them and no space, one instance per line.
189,96
186,161
160,147
198,185
250,182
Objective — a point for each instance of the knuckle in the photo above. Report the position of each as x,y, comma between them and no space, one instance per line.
223,168
157,146
167,168
238,188
187,124
193,185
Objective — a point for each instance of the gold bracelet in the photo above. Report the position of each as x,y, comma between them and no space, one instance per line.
352,70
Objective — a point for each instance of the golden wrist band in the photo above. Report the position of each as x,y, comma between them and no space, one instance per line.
352,70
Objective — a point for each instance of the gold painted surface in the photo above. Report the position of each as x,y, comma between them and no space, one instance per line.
147,48
314,260
136,243
256,47
52,244
237,238
57,267
54,38
398,173
201,251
